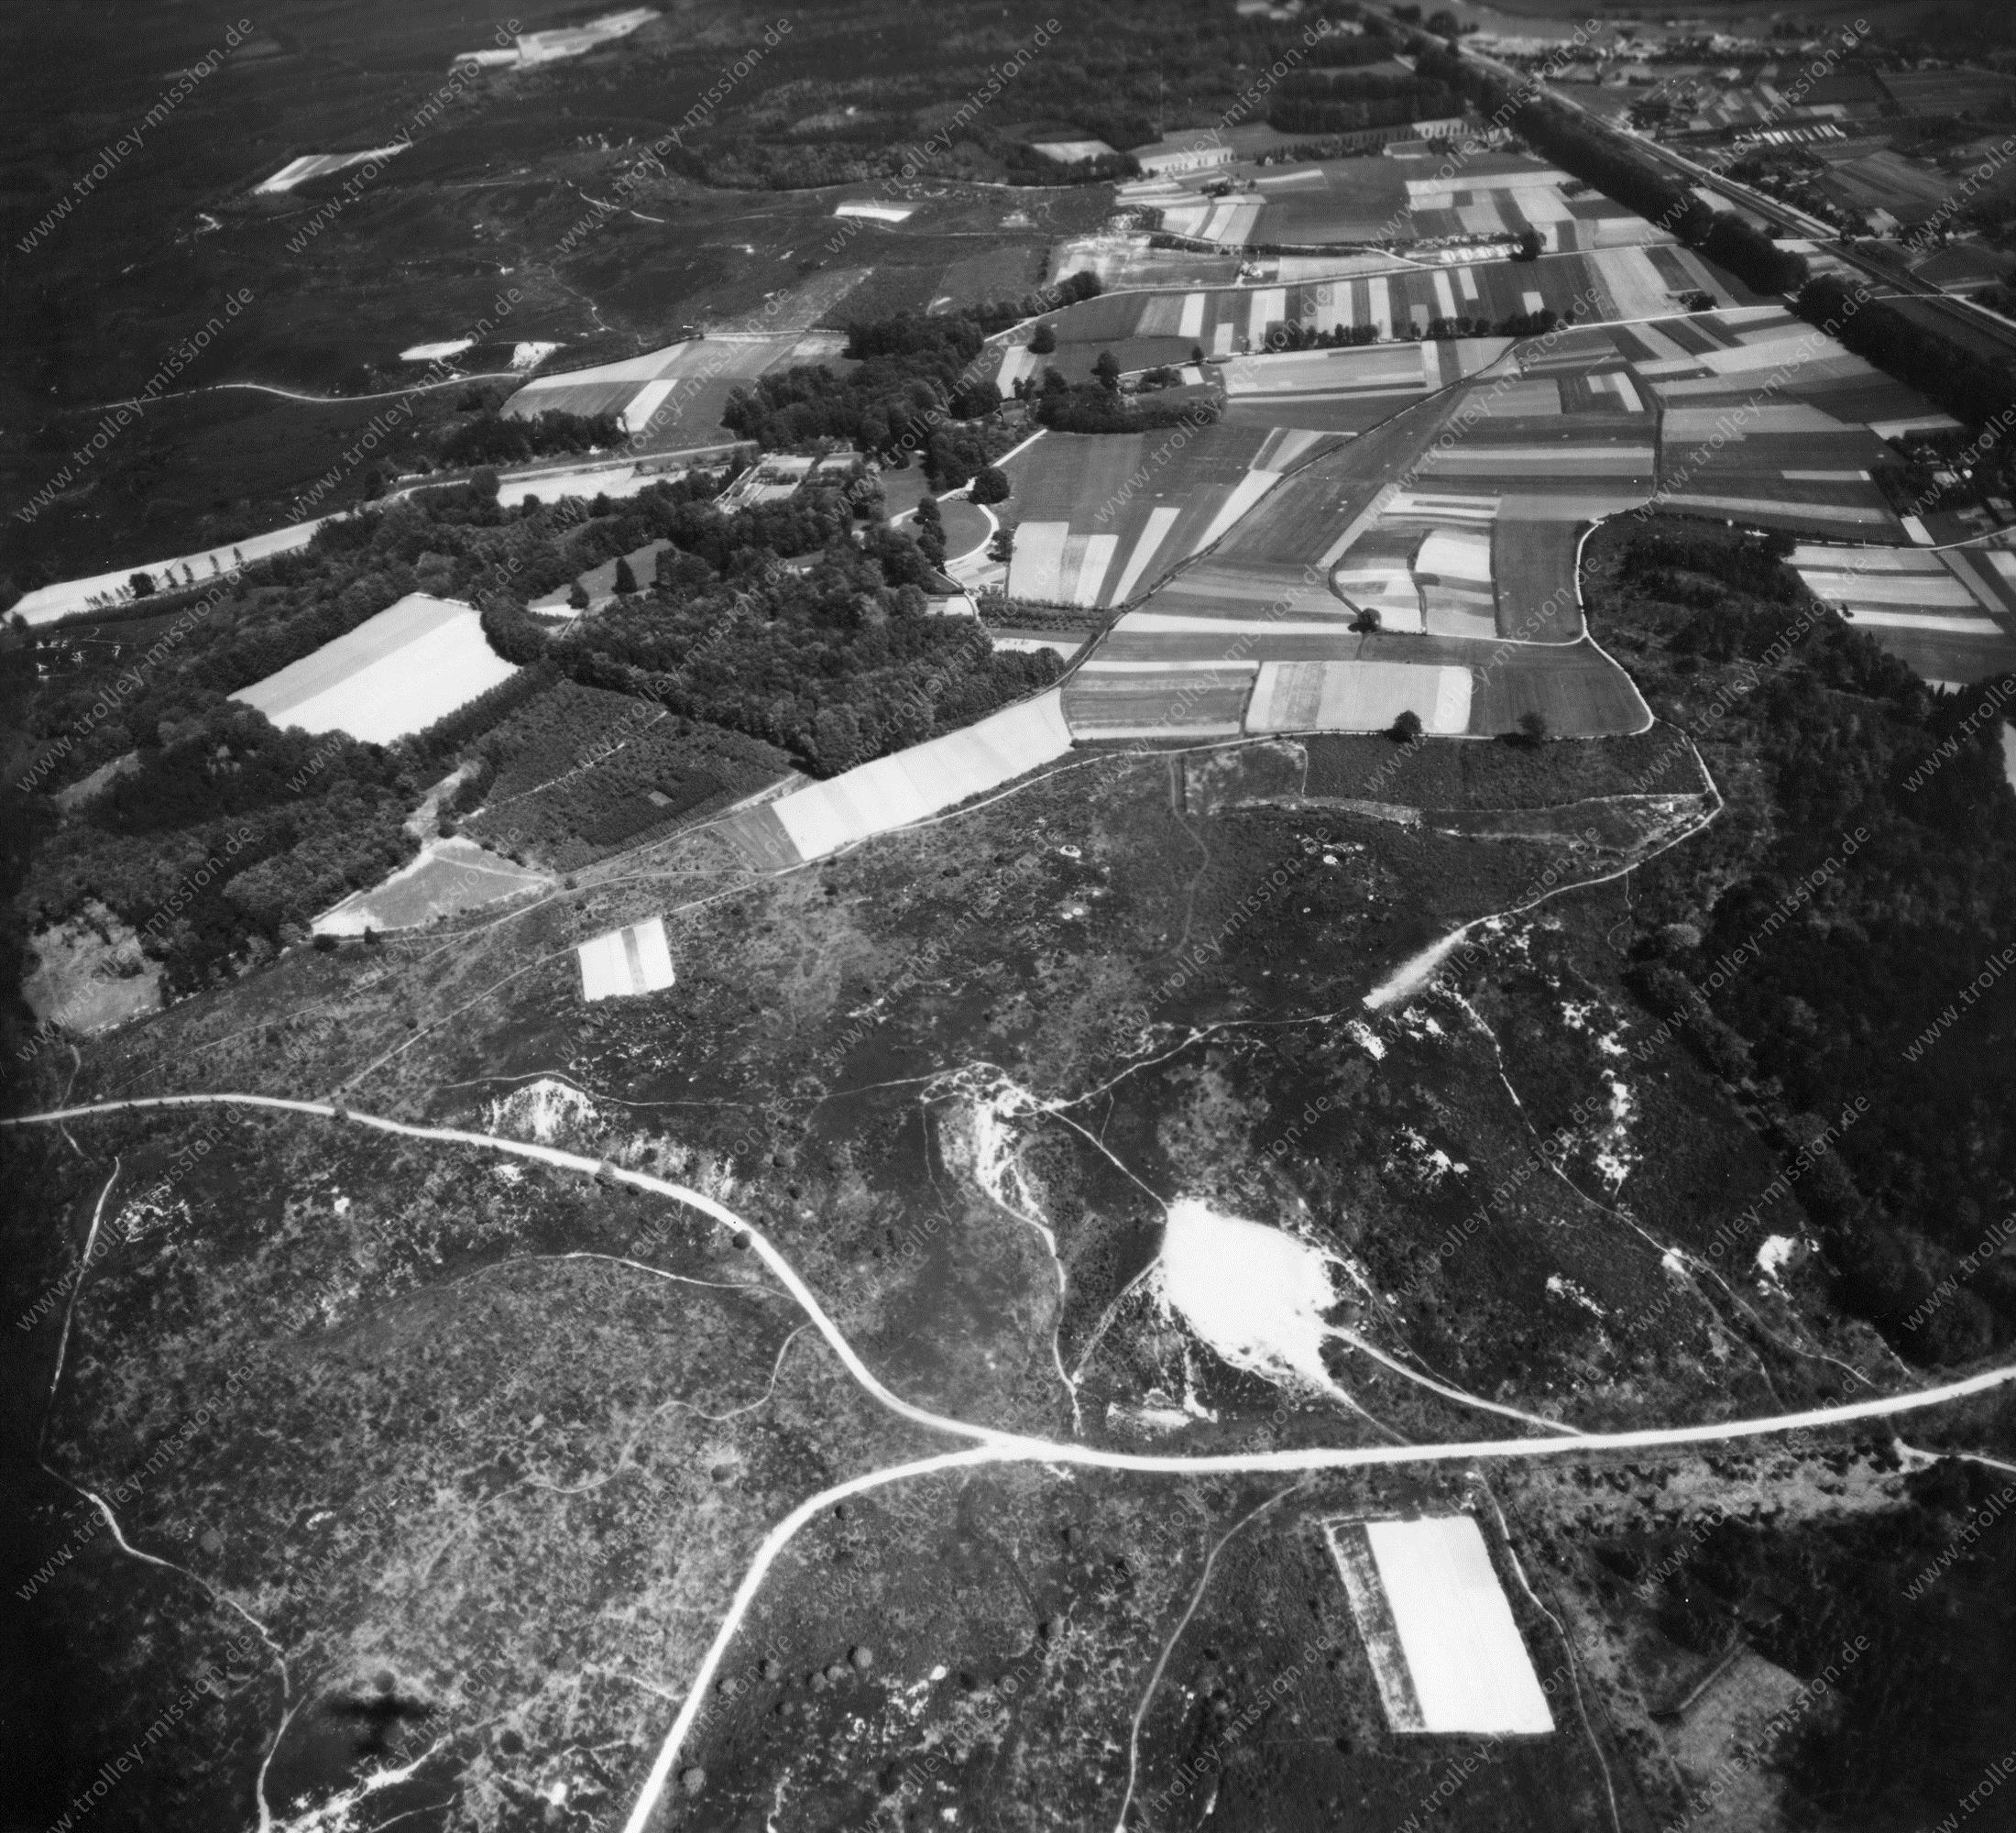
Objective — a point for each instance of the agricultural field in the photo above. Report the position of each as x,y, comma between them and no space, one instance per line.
1384,199
1455,524
627,962
1439,1627
394,674
908,786
448,877
1101,519
1903,189
673,397
1146,329
1952,615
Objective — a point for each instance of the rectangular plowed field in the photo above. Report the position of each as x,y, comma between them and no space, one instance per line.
1358,697
1533,564
1577,689
1148,700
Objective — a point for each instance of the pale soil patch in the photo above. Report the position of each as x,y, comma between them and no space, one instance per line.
1253,1294
90,975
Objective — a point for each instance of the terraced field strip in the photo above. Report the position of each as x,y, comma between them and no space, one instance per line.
1151,698
924,779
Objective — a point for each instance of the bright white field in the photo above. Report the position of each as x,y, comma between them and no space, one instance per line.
318,165
876,213
926,780
394,674
626,961
1460,1665
1068,152
1358,697
67,596
617,481
1455,554
1932,591
1371,366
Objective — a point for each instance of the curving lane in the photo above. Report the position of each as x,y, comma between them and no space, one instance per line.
993,1445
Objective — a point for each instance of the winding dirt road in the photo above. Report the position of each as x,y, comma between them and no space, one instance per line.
991,1444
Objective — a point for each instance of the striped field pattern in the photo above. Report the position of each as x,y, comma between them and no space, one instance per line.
625,962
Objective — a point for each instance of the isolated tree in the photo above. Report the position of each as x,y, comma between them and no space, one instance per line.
1044,341
1407,727
483,481
577,596
143,584
1106,371
927,513
1002,546
1197,355
1529,245
1533,726
990,485
626,580
1367,620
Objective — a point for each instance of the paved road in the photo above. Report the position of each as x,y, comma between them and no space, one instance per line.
991,1444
